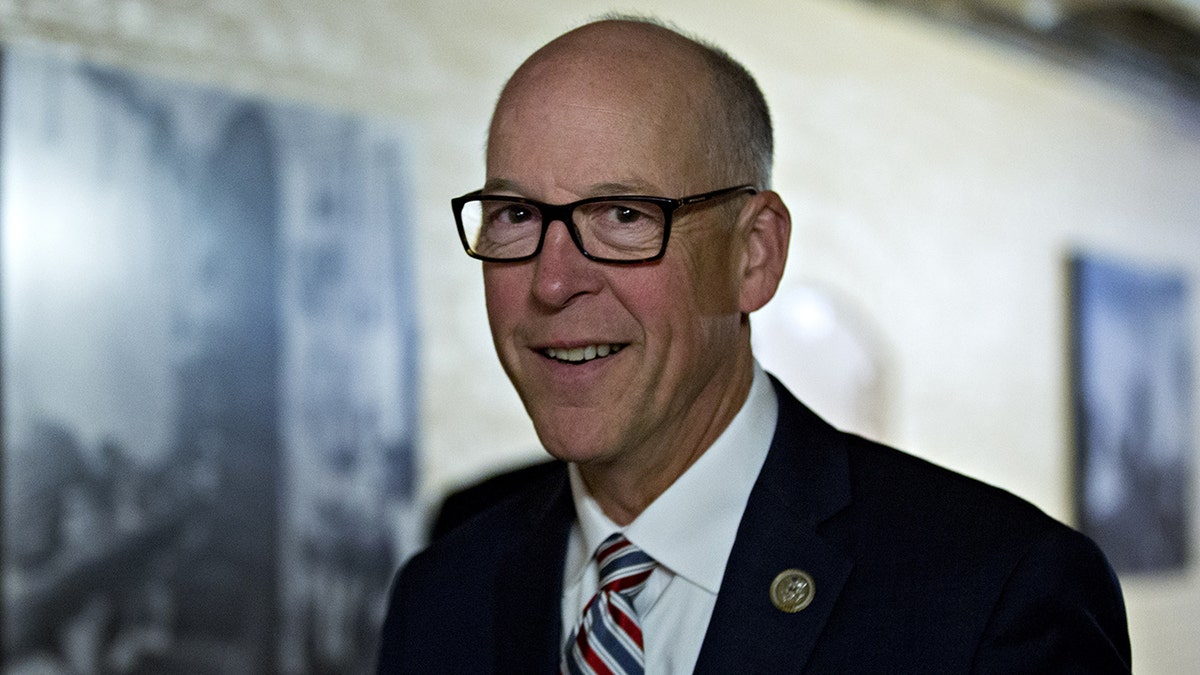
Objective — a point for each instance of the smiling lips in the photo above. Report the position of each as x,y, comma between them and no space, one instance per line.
582,354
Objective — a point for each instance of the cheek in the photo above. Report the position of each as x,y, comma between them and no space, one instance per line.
684,304
503,297
708,271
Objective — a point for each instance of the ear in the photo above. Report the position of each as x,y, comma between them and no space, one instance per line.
766,231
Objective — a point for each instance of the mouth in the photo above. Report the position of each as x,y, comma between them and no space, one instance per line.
577,355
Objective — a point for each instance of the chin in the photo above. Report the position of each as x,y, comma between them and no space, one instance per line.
569,445
575,434
573,453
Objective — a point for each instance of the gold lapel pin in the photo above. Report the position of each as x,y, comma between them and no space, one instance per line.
792,590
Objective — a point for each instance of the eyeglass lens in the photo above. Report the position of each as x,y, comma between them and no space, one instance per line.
625,229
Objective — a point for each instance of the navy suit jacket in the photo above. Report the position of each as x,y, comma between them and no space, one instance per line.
916,569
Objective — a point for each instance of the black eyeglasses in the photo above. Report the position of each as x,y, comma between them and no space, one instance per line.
616,229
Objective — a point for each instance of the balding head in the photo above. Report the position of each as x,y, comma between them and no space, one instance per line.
714,104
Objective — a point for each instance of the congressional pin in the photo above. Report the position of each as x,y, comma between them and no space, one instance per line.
792,590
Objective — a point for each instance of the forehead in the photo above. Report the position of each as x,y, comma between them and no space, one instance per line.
601,110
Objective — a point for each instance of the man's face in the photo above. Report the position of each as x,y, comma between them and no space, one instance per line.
572,128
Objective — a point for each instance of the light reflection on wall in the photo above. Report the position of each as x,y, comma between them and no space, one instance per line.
82,277
828,354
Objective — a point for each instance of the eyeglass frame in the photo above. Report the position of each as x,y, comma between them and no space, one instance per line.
564,213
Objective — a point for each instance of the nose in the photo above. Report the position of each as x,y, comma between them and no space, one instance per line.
561,272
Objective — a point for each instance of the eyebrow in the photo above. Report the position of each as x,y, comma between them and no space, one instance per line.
616,188
612,188
501,185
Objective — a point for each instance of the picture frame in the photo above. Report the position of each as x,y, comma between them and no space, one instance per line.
1132,393
209,383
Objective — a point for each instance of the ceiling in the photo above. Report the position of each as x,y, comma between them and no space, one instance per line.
1150,44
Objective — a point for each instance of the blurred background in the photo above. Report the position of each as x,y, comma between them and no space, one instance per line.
948,165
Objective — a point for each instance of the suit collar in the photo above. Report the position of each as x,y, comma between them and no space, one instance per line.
804,482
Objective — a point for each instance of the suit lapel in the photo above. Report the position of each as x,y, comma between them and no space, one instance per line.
529,587
803,483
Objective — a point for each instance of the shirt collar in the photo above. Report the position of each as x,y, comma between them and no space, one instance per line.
690,528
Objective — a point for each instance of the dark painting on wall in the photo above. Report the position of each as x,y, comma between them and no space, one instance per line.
209,382
1133,396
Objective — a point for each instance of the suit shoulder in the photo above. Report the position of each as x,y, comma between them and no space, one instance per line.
904,490
890,471
481,523
465,503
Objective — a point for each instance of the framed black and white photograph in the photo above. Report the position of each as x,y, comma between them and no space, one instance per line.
209,376
1133,393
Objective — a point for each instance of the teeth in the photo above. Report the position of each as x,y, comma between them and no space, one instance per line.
582,354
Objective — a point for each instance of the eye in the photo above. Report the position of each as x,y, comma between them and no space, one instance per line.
511,214
625,214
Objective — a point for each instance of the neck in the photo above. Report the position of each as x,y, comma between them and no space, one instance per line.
624,489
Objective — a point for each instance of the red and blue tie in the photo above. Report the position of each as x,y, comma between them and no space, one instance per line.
608,638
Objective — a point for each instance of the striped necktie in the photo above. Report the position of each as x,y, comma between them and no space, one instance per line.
608,638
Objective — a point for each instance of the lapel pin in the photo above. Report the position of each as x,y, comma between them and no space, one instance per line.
792,590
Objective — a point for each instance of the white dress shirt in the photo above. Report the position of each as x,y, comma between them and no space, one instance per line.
689,530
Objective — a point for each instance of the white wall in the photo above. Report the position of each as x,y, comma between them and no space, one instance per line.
937,181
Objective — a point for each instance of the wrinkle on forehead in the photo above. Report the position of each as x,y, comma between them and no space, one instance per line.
615,111
632,186
587,116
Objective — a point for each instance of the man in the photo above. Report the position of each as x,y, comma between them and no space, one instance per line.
701,519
